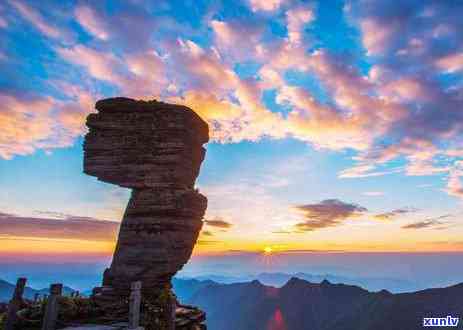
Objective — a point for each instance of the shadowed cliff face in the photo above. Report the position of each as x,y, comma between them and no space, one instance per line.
156,149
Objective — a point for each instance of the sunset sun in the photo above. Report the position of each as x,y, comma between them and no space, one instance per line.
268,250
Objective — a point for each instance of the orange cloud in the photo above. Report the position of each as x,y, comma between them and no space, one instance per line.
98,64
232,106
53,250
450,63
32,122
26,124
406,90
454,185
139,75
319,124
382,114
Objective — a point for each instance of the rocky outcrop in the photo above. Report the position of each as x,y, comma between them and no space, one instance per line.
156,149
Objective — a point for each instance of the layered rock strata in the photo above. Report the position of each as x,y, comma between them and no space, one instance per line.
156,149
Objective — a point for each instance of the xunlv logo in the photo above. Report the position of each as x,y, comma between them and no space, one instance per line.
440,321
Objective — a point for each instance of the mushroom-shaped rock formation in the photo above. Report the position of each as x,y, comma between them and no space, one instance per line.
156,149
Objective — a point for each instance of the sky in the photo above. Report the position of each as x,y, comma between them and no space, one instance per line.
336,126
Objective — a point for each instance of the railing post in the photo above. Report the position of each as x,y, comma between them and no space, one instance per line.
134,306
15,303
172,311
51,312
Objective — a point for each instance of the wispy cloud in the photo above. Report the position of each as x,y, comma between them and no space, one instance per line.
327,213
394,214
433,223
35,18
66,227
218,223
92,22
373,193
202,242
366,171
265,5
206,233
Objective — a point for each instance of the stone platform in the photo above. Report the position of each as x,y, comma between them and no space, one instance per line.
186,318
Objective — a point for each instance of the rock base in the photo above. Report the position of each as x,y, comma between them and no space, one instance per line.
189,318
115,308
186,318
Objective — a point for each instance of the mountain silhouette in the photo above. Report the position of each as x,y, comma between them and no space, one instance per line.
185,289
302,305
279,279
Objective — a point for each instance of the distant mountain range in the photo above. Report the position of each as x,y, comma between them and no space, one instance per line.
279,279
301,305
185,289
7,289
